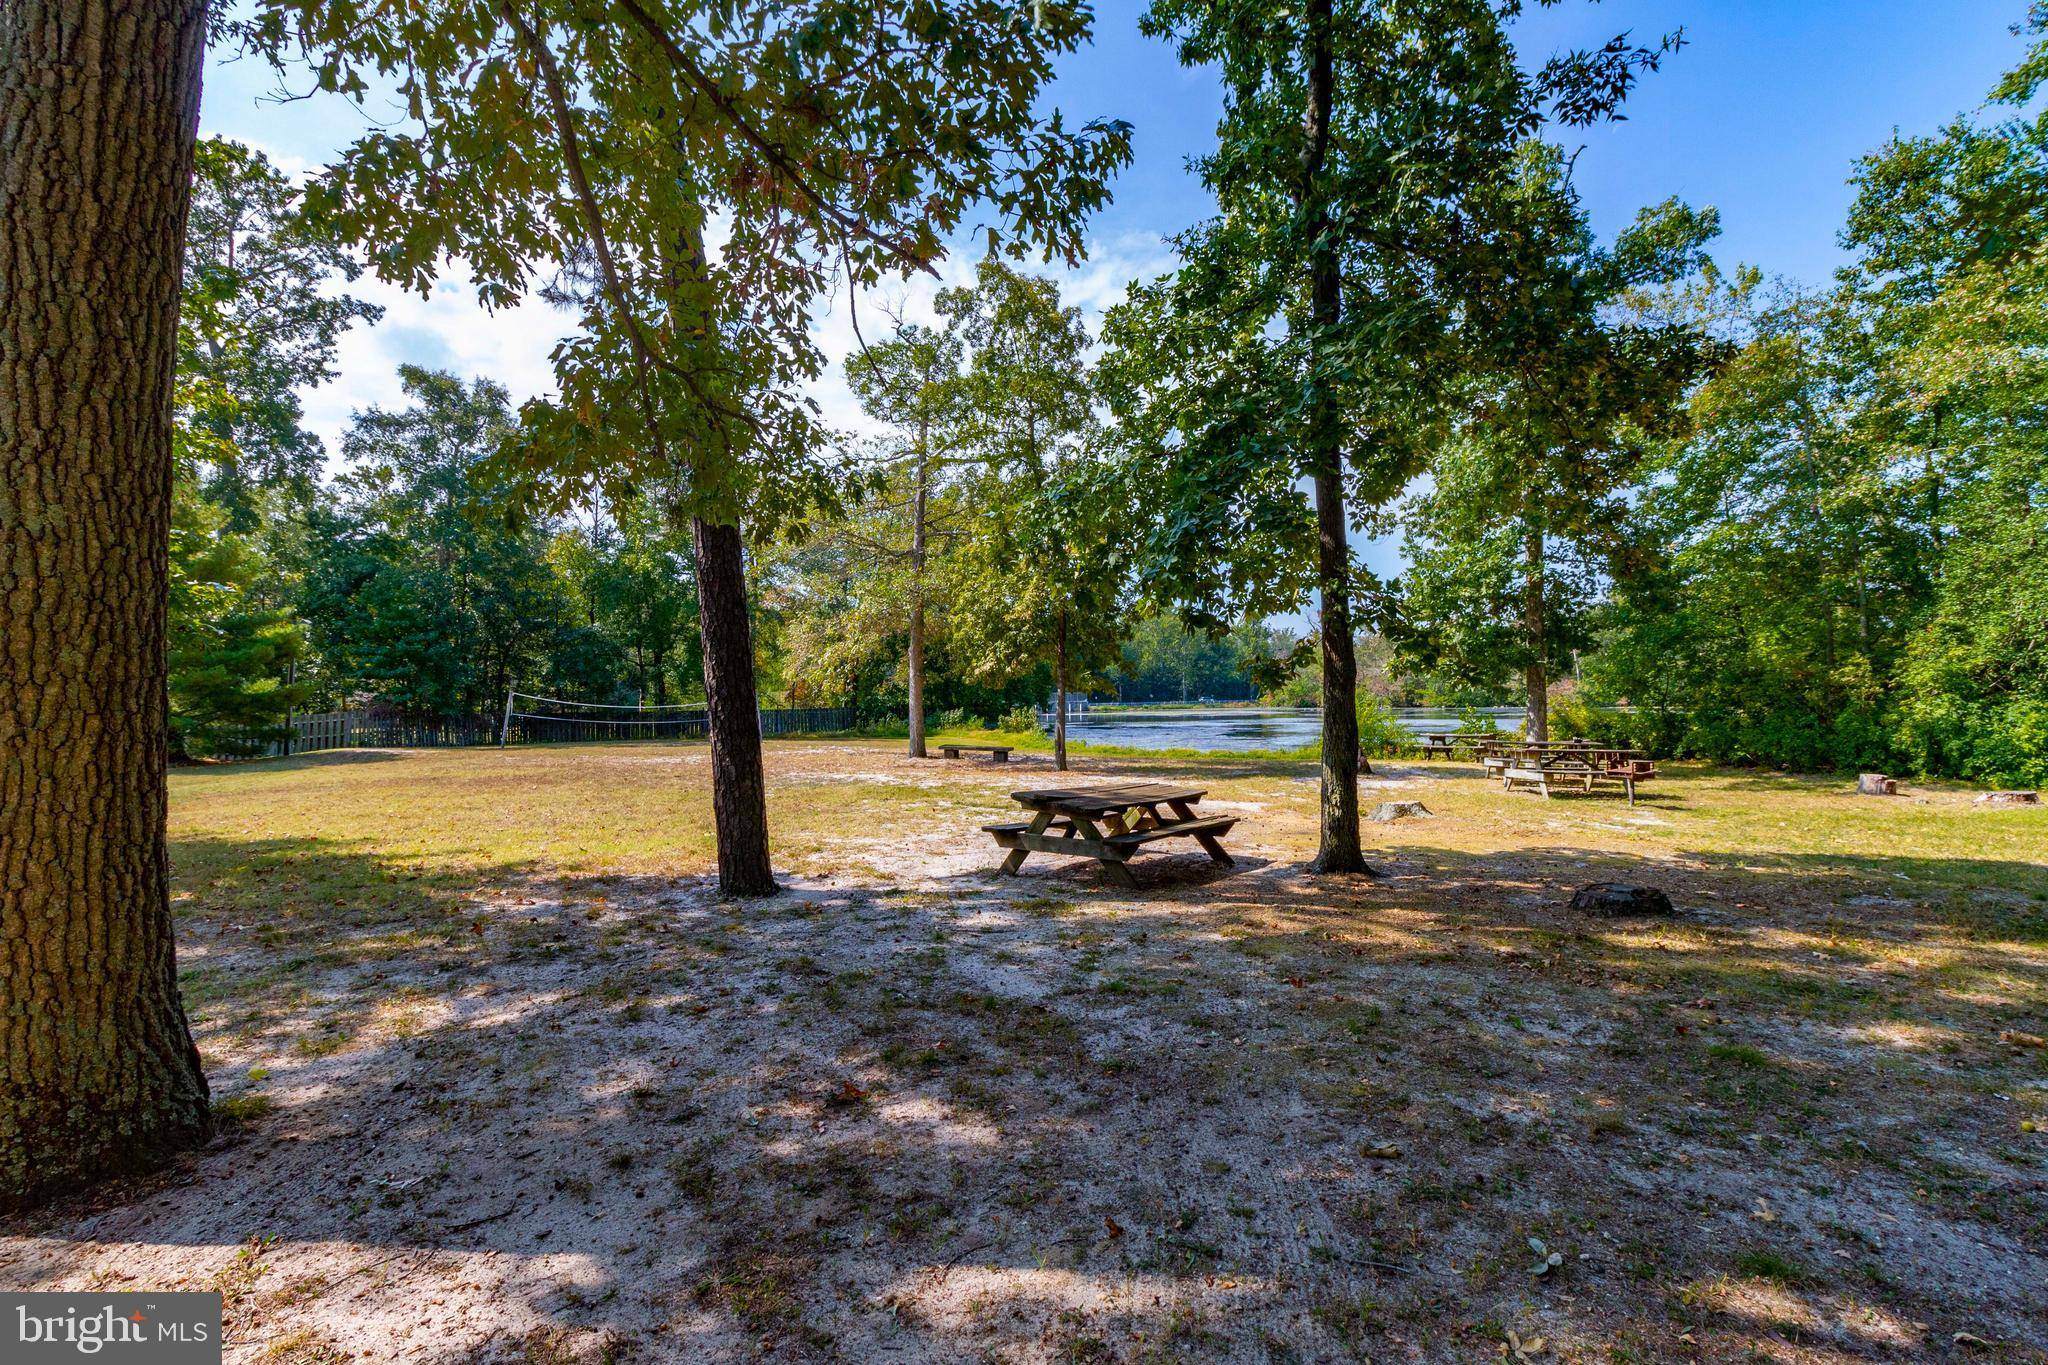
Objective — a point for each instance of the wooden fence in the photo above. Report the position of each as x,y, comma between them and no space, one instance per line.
364,730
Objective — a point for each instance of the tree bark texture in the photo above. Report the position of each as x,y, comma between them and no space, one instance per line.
739,790
1339,849
1535,676
98,115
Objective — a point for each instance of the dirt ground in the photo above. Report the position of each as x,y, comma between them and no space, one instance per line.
503,1081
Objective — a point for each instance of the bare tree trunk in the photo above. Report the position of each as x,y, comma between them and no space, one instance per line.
1059,694
739,790
917,558
98,114
1340,850
1535,677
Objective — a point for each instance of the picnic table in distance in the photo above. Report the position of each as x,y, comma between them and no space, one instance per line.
1109,822
1569,764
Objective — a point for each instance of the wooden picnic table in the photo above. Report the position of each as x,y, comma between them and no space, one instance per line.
1580,764
1109,822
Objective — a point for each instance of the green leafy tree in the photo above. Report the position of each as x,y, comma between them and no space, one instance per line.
646,598
1366,152
1166,661
1532,503
229,655
258,324
1043,575
427,593
829,140
1855,522
912,381
1047,582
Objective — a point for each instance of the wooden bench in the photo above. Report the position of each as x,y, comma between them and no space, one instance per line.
997,753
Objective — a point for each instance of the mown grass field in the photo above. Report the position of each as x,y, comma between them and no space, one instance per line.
504,1080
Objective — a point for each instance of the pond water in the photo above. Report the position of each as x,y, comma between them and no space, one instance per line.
1234,729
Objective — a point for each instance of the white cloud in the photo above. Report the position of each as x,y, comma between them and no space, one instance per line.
448,329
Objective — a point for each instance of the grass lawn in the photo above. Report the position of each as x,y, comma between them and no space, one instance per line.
503,1081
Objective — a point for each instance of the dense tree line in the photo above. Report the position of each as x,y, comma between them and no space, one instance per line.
408,577
1829,553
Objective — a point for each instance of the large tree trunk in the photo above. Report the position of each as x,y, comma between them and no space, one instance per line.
1340,850
1535,676
98,114
917,559
739,792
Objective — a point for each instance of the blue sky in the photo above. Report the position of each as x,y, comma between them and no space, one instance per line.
1762,115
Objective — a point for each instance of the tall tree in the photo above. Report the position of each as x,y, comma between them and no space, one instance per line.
260,322
425,590
830,141
99,103
230,656
1044,561
1047,582
1531,504
1365,147
911,381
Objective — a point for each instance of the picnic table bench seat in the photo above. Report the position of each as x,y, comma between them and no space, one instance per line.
997,753
1128,843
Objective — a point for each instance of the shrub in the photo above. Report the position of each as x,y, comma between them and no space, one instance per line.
1018,720
1471,721
1378,730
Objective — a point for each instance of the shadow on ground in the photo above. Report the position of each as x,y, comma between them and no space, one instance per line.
1237,1114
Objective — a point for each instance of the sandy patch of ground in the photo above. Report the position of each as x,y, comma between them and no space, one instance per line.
910,1111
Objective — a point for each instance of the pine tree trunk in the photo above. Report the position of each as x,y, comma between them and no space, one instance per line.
739,791
1340,850
98,114
917,558
1535,677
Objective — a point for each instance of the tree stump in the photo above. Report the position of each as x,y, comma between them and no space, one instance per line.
1615,900
1876,784
1386,812
2008,799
